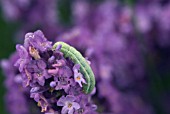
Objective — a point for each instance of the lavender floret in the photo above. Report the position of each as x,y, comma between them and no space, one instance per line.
68,104
78,77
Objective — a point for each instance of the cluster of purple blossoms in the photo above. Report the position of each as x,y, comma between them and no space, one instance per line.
54,82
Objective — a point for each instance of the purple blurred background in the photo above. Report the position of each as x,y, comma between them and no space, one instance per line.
126,41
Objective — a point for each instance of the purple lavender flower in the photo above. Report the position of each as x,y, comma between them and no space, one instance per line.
49,76
78,77
52,84
37,69
37,40
68,104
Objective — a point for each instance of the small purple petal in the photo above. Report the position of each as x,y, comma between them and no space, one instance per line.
70,111
51,59
22,51
64,110
70,98
36,96
41,64
61,101
76,67
34,89
53,71
78,77
76,105
41,80
52,84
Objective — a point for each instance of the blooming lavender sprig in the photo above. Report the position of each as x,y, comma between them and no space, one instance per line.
55,82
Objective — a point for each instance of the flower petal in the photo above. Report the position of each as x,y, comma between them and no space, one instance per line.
70,98
71,111
64,110
61,101
76,105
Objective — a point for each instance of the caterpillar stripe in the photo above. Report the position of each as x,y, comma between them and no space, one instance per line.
77,58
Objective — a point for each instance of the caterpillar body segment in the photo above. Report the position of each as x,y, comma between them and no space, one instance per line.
77,58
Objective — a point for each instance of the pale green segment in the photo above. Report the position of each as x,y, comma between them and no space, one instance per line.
86,66
82,70
77,58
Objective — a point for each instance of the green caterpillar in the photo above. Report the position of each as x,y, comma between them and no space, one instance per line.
77,58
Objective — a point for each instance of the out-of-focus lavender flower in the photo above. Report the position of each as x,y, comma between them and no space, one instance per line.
120,102
15,98
32,14
106,37
49,77
152,21
143,19
30,10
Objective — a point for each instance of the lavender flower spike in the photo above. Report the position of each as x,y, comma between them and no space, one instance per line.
48,77
68,104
